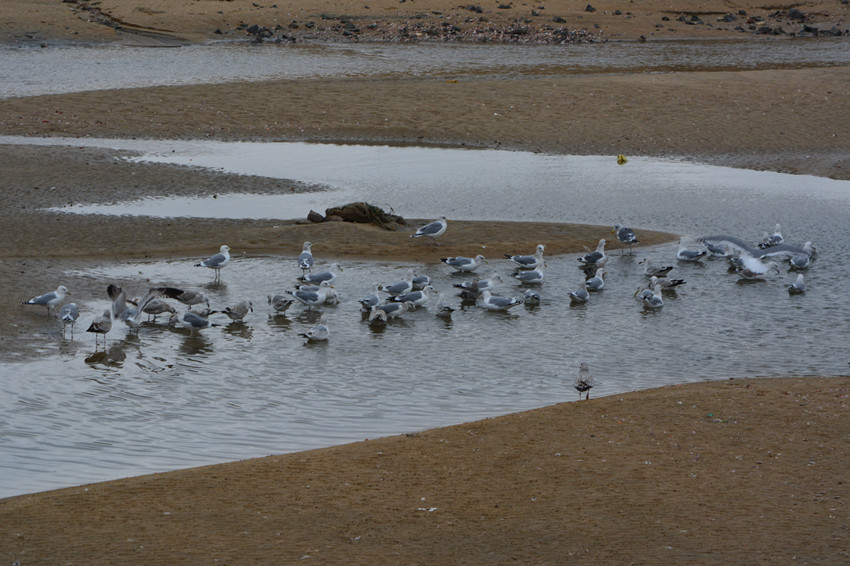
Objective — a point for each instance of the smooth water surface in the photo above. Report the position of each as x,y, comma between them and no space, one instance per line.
55,70
243,390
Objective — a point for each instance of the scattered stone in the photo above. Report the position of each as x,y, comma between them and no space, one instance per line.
314,216
589,8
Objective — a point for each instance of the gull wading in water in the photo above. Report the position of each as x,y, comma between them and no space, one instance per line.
191,320
654,300
305,258
625,236
101,325
479,285
387,311
462,263
584,381
238,311
312,298
580,295
494,303
217,262
528,261
769,240
68,314
532,277
319,332
280,302
595,258
328,275
685,254
399,287
417,298
753,269
596,283
188,298
50,299
433,229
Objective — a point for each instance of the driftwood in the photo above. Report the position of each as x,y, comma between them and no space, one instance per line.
362,213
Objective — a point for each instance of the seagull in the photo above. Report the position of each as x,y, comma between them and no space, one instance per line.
442,309
528,261
625,236
328,275
417,298
531,297
584,381
305,259
798,287
156,307
580,295
191,320
68,314
685,254
469,295
654,301
217,261
332,297
650,269
462,263
772,240
419,282
803,259
751,268
101,325
387,311
494,303
130,314
188,298
432,229
280,302
399,287
319,332
666,285
238,311
533,277
596,283
312,298
479,285
50,299
371,299
594,258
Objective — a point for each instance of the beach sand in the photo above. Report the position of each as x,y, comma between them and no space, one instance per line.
738,471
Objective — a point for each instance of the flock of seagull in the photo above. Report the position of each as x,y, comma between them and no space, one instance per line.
391,300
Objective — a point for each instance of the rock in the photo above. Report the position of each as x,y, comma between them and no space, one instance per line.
365,213
796,14
589,8
314,216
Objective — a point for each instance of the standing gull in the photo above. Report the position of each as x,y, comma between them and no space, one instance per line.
419,281
157,307
528,261
417,298
192,321
217,262
312,298
238,311
399,287
101,325
188,298
305,258
50,299
279,302
625,236
595,258
328,275
533,277
494,303
68,314
433,229
462,263
584,381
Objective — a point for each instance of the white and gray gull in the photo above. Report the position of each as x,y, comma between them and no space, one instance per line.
217,262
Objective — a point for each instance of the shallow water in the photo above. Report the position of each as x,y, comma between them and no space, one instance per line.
33,71
238,391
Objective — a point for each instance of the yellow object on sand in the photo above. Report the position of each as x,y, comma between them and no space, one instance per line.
621,159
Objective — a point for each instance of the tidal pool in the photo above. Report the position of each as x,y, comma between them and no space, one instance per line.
242,390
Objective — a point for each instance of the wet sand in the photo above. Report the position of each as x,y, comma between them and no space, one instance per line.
726,472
